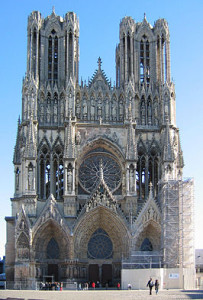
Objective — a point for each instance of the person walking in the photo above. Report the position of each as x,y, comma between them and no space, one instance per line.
150,284
156,286
93,285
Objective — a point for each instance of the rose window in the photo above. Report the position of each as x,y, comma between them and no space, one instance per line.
90,171
100,245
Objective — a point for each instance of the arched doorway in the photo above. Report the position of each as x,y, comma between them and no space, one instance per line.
100,249
51,249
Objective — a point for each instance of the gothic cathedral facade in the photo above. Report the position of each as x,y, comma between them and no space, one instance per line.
98,168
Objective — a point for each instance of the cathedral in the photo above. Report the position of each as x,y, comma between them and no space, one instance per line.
98,167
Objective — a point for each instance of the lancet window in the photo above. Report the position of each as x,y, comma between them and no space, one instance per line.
53,56
144,60
162,58
70,53
52,249
58,172
147,172
34,52
51,173
44,169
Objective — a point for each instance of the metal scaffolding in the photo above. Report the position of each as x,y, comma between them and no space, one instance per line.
177,223
177,238
143,260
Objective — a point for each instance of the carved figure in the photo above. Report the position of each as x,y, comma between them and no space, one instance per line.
69,180
30,180
143,113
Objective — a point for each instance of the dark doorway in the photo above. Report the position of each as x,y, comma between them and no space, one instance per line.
93,273
107,274
53,271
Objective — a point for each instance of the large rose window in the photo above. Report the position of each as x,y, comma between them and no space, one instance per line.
90,171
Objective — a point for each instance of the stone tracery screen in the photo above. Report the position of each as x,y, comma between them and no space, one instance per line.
89,172
100,245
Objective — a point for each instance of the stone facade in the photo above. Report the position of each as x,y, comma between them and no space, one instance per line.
91,160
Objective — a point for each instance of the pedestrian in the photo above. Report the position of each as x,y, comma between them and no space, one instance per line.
118,285
129,286
156,286
93,285
150,284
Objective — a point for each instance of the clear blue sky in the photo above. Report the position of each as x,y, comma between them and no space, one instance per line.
99,34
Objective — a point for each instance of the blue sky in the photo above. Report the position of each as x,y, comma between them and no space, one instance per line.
99,35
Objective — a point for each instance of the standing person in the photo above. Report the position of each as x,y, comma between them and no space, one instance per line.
129,286
156,286
93,285
118,286
150,284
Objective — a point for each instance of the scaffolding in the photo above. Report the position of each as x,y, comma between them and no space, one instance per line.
143,260
177,238
177,223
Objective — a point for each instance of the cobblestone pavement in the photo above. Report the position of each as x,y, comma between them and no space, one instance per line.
99,295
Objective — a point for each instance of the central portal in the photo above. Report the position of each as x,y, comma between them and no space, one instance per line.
53,271
101,273
107,274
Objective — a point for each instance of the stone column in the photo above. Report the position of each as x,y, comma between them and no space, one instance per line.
52,179
146,176
127,180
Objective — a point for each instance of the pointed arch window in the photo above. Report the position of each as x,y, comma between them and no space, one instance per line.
52,249
58,172
34,52
147,172
53,56
70,53
146,245
144,60
45,174
17,178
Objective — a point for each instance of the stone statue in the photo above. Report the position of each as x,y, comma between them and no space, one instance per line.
78,138
113,111
92,109
78,108
143,113
149,113
55,114
85,109
131,187
107,109
120,110
99,109
69,180
48,114
30,180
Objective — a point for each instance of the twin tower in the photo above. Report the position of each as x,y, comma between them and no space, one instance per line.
142,56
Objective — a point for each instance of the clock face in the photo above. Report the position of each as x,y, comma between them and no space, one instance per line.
100,245
89,171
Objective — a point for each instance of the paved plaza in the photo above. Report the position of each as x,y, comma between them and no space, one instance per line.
98,295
